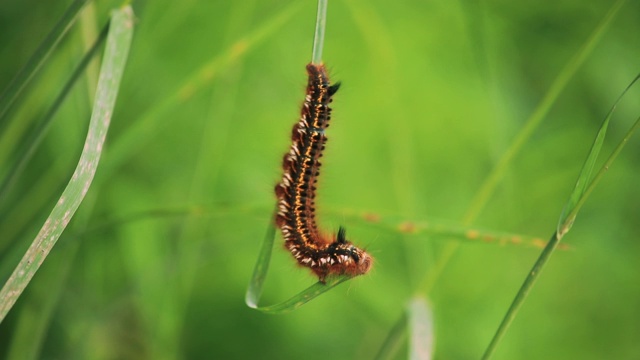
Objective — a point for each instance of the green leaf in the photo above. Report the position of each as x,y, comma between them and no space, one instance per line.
115,56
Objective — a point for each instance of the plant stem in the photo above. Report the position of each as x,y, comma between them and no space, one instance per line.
318,39
522,295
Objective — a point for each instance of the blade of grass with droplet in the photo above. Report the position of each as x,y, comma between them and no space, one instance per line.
421,329
115,56
580,193
38,58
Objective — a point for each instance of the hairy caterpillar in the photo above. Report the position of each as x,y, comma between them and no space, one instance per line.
324,255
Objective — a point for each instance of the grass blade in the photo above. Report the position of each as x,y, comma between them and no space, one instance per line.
582,184
437,229
419,318
303,297
116,52
254,291
36,314
421,330
600,174
38,58
521,296
579,195
318,38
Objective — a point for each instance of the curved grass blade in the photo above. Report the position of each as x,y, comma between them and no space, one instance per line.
35,316
254,291
41,54
31,145
302,297
576,200
115,56
582,184
421,329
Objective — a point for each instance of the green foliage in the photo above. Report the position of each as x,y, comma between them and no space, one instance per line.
584,186
156,260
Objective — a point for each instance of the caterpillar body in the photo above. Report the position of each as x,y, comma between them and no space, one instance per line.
324,254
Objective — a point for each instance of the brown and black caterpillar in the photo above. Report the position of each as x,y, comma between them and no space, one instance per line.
324,255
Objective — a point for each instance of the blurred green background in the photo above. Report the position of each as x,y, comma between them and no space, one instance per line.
158,257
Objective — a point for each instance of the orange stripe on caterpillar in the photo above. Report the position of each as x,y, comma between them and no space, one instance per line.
324,255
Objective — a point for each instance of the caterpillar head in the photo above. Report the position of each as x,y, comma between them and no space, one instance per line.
361,259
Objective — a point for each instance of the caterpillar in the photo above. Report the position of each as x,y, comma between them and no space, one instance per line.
324,254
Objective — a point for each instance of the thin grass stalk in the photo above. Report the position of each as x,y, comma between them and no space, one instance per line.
394,339
522,295
318,38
